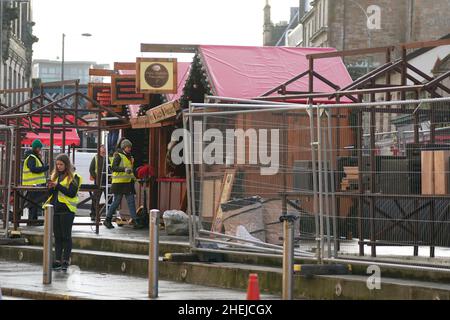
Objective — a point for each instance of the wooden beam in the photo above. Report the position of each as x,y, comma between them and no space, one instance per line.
426,44
356,52
344,93
101,72
58,83
6,91
124,66
178,48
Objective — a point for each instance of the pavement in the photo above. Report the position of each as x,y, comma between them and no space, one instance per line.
24,280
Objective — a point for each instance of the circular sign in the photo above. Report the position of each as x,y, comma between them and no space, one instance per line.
156,75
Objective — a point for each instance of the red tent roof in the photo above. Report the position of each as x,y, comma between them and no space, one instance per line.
249,72
72,137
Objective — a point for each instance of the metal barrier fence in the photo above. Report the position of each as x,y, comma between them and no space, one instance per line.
369,175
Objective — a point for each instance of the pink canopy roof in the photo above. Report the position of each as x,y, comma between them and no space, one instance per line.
249,72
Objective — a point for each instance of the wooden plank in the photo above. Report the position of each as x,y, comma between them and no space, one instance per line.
427,172
441,168
225,194
124,66
208,204
101,72
356,52
7,91
178,48
426,44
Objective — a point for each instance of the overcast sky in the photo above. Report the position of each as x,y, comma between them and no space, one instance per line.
119,27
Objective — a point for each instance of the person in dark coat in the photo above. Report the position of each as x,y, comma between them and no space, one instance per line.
34,174
123,183
93,175
63,188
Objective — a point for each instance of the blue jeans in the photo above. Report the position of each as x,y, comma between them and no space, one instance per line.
116,203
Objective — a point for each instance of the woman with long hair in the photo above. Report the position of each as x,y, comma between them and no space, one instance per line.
63,188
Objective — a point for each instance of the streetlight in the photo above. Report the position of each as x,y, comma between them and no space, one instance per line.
62,59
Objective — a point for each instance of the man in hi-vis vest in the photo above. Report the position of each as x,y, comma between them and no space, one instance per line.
123,181
105,171
33,174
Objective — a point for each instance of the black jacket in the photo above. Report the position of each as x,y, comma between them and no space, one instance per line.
31,164
102,166
121,188
71,192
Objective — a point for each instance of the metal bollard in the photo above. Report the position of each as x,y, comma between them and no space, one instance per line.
153,254
288,255
48,233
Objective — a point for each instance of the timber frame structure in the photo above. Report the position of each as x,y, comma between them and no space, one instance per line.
369,85
20,116
68,109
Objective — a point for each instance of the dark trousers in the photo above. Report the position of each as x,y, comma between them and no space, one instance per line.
62,229
33,210
92,214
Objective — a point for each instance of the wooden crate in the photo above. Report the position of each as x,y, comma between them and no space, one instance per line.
441,172
427,172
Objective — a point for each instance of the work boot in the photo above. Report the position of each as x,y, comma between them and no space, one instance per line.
56,265
65,266
137,223
107,223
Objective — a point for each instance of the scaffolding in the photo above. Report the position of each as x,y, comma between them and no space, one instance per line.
64,113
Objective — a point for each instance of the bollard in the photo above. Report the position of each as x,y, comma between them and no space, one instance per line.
48,231
153,254
288,255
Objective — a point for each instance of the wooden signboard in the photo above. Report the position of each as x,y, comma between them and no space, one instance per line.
225,194
163,112
101,93
124,91
156,75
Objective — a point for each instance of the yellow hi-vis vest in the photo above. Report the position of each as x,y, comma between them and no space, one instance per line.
29,178
71,203
110,160
123,177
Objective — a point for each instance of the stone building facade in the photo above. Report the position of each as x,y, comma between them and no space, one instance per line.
354,24
16,32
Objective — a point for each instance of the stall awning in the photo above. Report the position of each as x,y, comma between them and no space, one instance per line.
72,138
248,72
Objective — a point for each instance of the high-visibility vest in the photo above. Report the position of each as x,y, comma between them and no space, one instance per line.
110,160
29,178
71,203
123,177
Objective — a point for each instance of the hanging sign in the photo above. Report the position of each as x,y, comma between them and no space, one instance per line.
124,91
156,75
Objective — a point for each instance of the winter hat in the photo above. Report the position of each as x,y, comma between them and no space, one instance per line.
37,144
125,143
